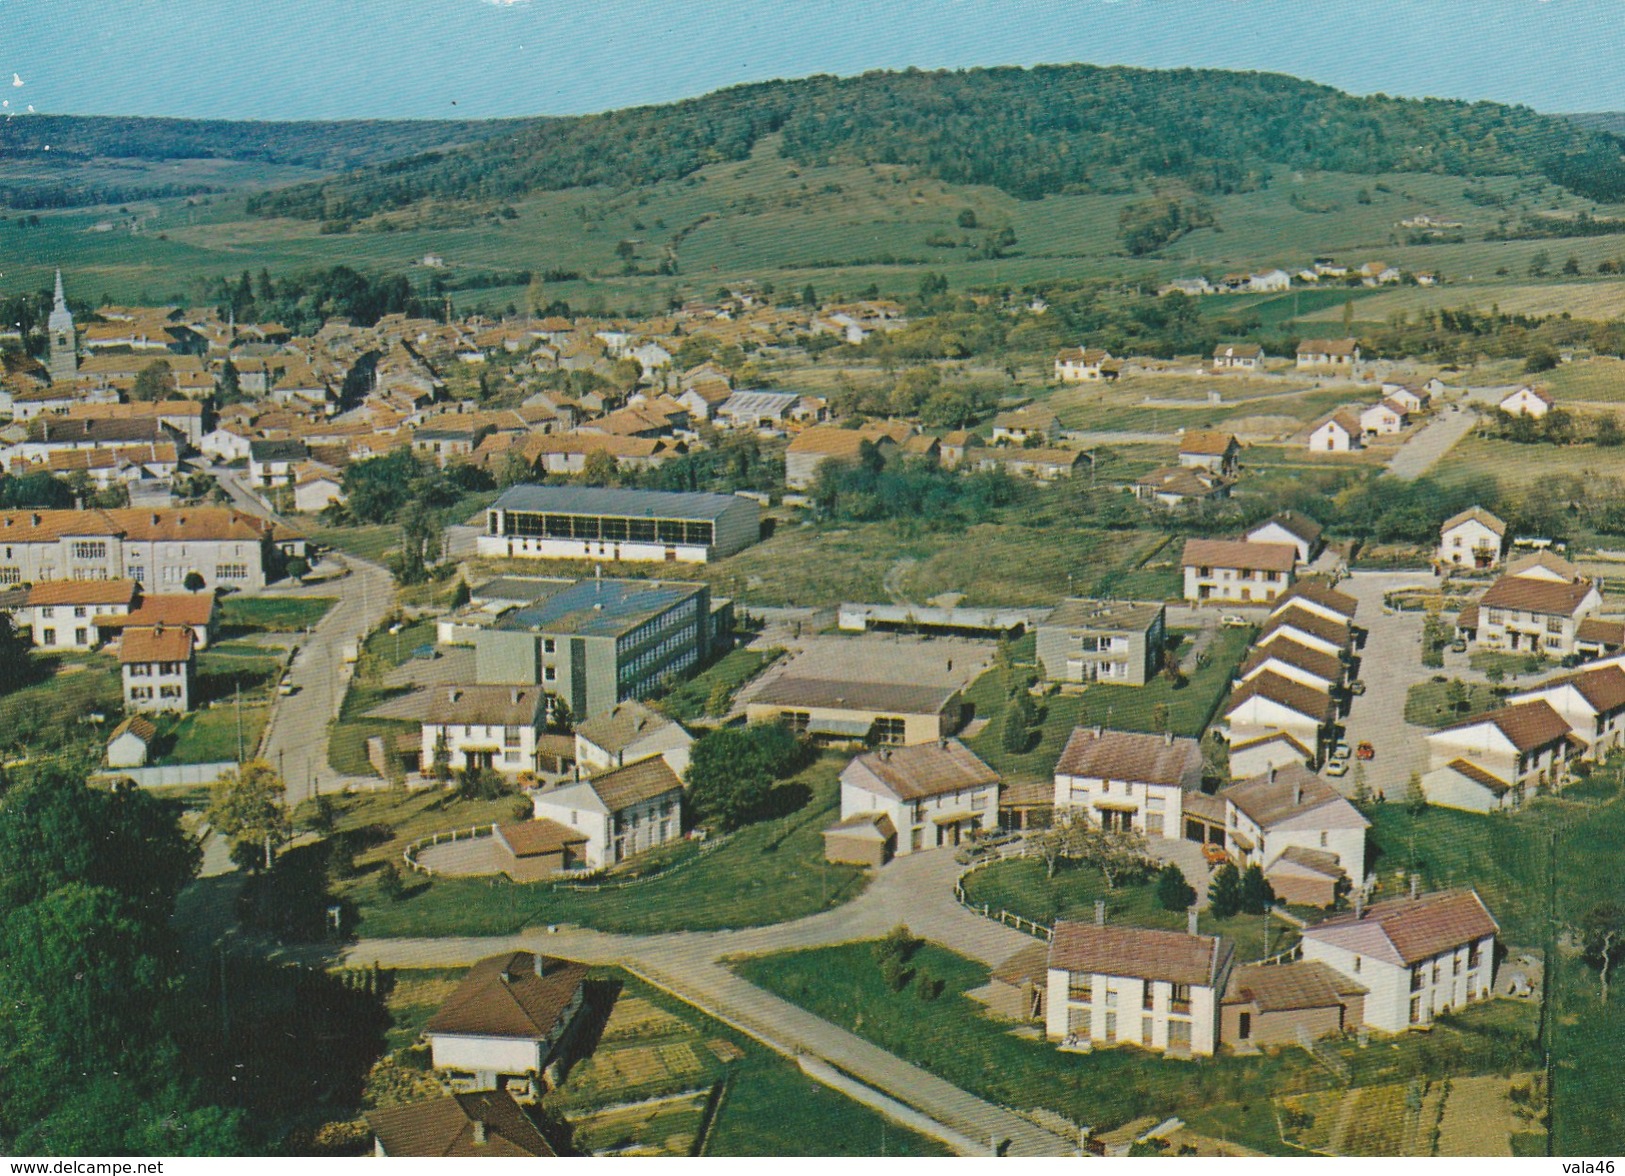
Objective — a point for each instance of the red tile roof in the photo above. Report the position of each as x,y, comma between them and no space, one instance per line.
1527,725
1138,952
503,996
1238,553
158,644
1128,755
1415,928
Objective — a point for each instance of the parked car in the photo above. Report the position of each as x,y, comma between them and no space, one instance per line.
1365,751
1214,854
1341,752
1234,622
426,652
1356,687
1337,768
1458,646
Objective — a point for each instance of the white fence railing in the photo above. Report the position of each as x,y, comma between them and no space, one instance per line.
167,775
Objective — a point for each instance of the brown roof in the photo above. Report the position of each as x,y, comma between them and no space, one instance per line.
1414,929
486,706
1338,602
1187,483
139,726
1301,619
925,769
84,592
622,725
1479,776
1546,597
834,441
1548,560
530,838
1475,514
832,694
1289,791
1126,755
180,609
1295,524
1207,444
1138,952
1303,984
502,996
865,826
1603,687
158,644
1238,553
1527,725
1030,963
1312,661
1317,861
1304,700
446,1127
634,783
1239,350
1327,347
1607,633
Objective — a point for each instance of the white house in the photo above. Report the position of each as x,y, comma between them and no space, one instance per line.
1076,364
62,614
1496,760
1238,357
629,732
158,668
1339,433
933,793
622,812
1269,703
1337,354
316,489
1296,662
272,463
1412,400
1528,401
129,743
1472,539
1235,570
1318,600
1215,452
1128,780
1300,622
1273,749
491,727
1592,702
1299,530
225,444
1159,990
1386,417
1270,281
1537,606
1291,809
1417,957
504,1025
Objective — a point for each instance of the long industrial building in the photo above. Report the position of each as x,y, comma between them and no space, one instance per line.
582,522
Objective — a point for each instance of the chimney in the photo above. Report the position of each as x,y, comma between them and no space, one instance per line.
37,520
1098,730
1359,902
1100,912
1416,885
1272,774
454,694
479,1132
513,696
1297,795
539,962
1190,921
155,520
1167,738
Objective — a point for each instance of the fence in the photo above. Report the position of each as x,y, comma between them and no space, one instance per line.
410,856
167,775
410,853
1008,918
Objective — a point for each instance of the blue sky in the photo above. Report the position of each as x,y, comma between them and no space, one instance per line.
281,59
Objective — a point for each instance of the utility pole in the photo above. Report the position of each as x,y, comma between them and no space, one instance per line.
237,705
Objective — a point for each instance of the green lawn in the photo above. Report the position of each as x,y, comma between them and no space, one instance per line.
45,716
1512,665
690,699
210,735
1427,704
767,873
1225,1096
272,614
371,542
1020,887
1129,708
347,737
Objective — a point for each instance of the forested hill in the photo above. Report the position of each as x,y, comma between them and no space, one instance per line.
1030,132
328,146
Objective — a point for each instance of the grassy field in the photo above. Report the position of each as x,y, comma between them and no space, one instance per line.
1521,466
1127,708
1020,887
768,872
272,614
372,542
1223,1096
211,736
1428,704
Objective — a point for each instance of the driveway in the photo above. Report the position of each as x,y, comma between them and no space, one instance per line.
1390,664
1430,443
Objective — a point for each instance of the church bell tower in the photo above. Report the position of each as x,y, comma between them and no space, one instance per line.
64,340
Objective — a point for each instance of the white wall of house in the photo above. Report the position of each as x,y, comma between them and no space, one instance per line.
1154,809
1290,632
71,626
1484,744
485,1055
1332,437
1458,545
1603,731
1520,629
1449,980
1302,831
157,686
1116,1012
1241,585
1259,716
1524,402
1273,532
1291,672
576,807
915,821
1447,788
515,747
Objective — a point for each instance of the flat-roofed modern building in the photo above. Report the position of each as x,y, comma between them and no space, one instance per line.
848,711
583,522
1102,640
601,641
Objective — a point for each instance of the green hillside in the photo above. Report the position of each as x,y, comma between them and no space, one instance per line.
1028,132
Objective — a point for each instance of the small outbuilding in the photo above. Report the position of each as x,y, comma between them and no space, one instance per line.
130,743
863,839
540,848
1271,1004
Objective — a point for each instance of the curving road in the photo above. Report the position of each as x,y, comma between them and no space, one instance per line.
916,890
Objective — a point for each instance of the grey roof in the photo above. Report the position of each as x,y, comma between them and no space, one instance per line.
599,608
829,694
520,589
1074,613
278,450
623,725
485,706
633,504
754,402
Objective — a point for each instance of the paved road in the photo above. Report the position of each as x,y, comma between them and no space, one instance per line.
295,741
1430,443
916,890
1390,664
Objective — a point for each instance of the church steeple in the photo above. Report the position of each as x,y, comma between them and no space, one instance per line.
64,339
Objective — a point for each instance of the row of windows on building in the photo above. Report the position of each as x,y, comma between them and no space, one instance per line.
137,572
1553,624
976,802
144,693
684,614
635,671
600,528
1080,989
164,669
